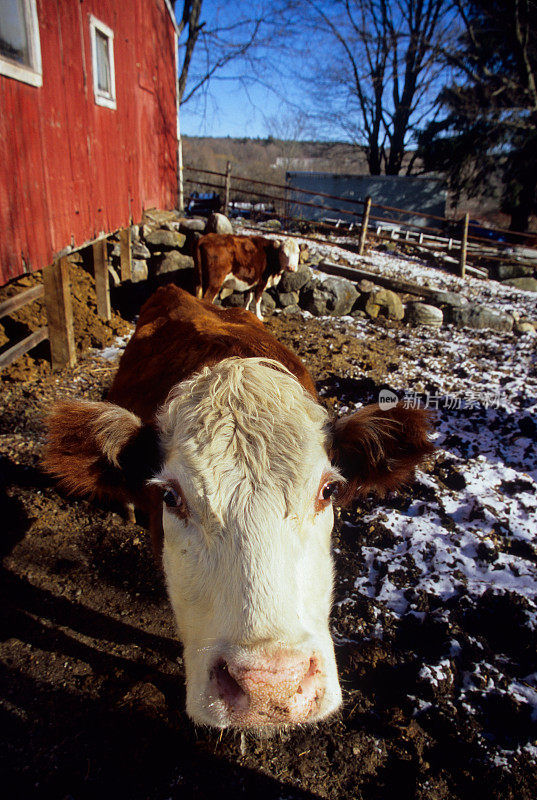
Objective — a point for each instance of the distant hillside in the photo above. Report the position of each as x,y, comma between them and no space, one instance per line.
269,159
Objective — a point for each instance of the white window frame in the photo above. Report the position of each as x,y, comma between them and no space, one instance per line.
102,98
33,74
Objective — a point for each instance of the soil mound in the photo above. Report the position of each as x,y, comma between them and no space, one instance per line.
90,330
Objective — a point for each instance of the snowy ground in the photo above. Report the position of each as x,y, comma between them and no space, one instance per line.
435,616
465,545
499,297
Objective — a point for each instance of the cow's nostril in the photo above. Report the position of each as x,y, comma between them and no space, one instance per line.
314,667
309,685
230,690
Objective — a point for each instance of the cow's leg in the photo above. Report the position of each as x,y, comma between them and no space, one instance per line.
198,271
249,298
259,289
214,278
210,293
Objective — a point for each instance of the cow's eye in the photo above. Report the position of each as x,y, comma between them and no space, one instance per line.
172,499
329,490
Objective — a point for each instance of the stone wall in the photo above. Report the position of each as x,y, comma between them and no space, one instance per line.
164,243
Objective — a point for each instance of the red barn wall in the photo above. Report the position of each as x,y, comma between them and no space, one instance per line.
71,169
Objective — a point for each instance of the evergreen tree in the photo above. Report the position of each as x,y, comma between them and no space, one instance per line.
490,126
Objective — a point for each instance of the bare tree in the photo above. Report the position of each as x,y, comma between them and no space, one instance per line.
205,50
189,21
380,75
287,130
232,36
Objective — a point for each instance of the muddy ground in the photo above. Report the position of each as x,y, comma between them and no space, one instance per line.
92,696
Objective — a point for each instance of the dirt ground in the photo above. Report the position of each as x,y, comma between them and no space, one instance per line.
90,331
92,690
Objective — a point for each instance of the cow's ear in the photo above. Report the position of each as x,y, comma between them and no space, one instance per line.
377,449
100,449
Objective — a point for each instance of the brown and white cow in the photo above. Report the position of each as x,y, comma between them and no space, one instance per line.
226,263
214,428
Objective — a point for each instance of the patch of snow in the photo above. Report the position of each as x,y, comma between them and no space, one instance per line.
471,524
114,351
526,693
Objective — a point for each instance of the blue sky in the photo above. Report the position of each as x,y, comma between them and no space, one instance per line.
241,97
230,110
269,90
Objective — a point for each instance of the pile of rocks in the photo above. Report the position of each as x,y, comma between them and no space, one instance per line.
521,276
311,290
165,241
158,246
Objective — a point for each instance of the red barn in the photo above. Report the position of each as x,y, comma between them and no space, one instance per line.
88,122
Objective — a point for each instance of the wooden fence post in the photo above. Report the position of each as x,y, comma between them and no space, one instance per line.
59,314
125,254
365,223
102,287
464,245
227,187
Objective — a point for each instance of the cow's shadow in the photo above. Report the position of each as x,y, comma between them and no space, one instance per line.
95,735
85,746
13,515
41,618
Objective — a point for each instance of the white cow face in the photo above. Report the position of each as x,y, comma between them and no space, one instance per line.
247,520
289,253
245,483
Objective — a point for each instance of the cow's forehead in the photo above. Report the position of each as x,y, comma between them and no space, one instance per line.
290,245
244,423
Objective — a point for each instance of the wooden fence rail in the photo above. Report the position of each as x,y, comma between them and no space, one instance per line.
257,182
284,200
12,304
20,300
452,235
531,237
56,290
22,347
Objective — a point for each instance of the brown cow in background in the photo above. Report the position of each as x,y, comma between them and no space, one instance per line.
242,263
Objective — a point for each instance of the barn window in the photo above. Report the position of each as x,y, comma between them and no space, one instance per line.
102,56
20,49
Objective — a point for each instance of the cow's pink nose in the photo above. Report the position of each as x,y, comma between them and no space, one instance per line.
277,690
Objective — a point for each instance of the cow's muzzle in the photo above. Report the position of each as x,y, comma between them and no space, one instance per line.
282,689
